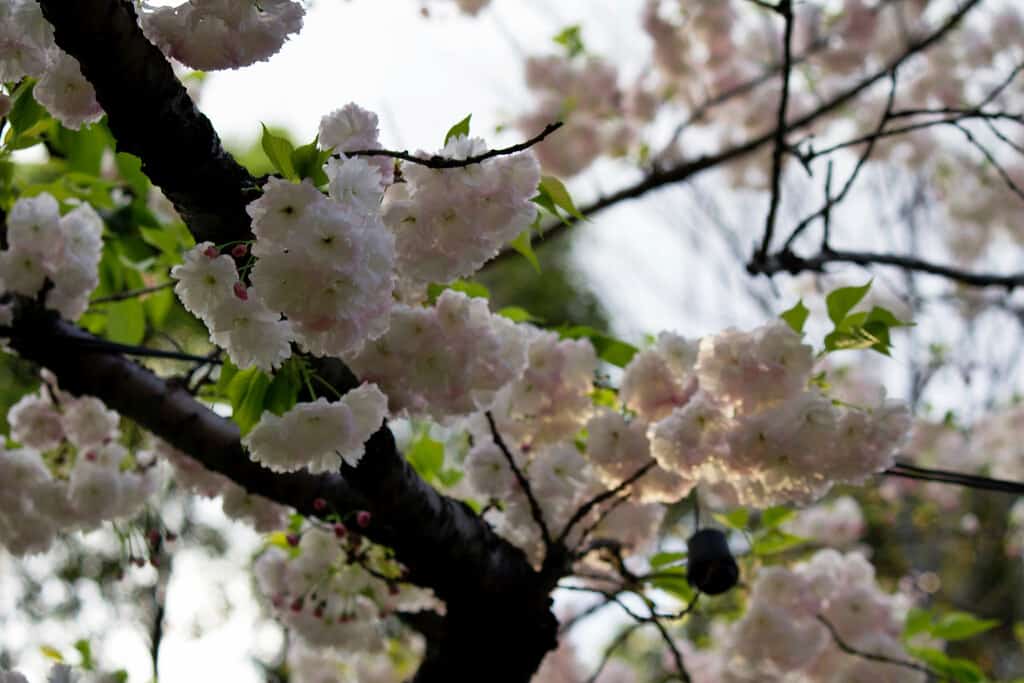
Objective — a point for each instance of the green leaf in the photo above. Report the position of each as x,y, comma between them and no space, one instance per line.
228,370
522,245
775,541
426,456
519,315
737,519
471,289
85,652
279,152
673,581
247,392
84,148
961,625
841,301
450,477
25,112
126,322
158,305
796,317
960,670
570,39
918,621
776,516
609,349
308,161
164,240
51,653
603,396
554,188
460,128
129,167
283,392
659,560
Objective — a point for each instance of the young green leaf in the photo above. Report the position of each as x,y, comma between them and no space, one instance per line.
522,245
796,316
841,301
279,152
571,40
560,196
460,128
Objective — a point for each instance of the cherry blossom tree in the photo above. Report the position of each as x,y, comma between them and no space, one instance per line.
429,470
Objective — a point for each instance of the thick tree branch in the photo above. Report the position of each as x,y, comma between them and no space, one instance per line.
152,116
441,541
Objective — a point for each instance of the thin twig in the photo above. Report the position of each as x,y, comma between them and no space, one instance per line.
582,511
535,509
850,650
439,162
614,645
131,294
785,9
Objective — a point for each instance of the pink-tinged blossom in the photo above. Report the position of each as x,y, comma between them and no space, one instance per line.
222,34
447,360
319,435
452,221
66,94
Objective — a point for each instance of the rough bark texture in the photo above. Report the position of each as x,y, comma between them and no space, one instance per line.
499,623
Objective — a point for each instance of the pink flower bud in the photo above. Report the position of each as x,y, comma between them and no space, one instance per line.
211,252
241,292
363,519
239,250
319,504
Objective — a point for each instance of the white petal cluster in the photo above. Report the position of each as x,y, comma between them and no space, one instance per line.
222,34
453,220
36,503
351,129
319,435
43,245
740,418
324,263
27,48
619,449
551,400
328,599
262,513
446,360
240,322
838,523
780,636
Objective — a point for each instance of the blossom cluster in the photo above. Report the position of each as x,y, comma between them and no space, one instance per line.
319,435
782,633
445,360
27,48
222,34
69,473
838,523
262,513
448,222
754,431
330,590
43,245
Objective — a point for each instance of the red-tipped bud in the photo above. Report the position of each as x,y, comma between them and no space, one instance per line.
363,519
296,605
340,530
239,250
319,504
293,539
211,252
241,292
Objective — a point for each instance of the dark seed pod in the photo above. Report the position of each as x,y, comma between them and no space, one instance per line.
711,568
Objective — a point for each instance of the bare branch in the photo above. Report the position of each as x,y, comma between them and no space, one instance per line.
437,161
535,510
